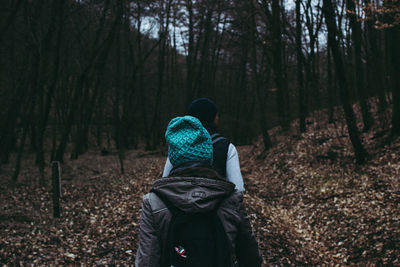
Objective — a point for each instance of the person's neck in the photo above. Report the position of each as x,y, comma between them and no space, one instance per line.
195,169
190,164
210,128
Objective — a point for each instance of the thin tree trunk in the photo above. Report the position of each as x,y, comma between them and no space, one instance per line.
164,32
257,81
200,81
44,114
374,63
331,87
54,141
190,58
395,36
312,90
300,84
360,153
27,121
356,36
14,178
117,119
142,100
277,64
102,51
10,18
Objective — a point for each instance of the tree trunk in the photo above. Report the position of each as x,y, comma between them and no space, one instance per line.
101,51
374,63
300,84
10,18
164,33
312,93
277,64
257,82
45,110
331,87
14,178
117,101
190,58
395,36
361,92
360,153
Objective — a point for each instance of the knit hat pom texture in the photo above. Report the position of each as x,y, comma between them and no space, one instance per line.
187,141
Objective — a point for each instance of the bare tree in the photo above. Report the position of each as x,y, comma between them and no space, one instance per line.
300,84
277,47
359,151
359,73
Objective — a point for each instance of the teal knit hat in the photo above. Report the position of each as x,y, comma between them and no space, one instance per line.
188,140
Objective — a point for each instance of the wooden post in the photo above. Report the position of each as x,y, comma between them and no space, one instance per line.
56,179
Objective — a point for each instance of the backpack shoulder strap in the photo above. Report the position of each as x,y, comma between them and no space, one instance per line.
223,248
216,137
166,255
171,207
220,149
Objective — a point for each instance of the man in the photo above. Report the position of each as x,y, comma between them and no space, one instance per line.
193,188
225,156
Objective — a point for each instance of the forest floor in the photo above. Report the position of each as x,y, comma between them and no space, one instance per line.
308,201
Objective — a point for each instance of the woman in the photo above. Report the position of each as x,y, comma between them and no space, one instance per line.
193,187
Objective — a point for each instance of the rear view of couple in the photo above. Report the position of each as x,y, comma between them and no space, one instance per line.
195,215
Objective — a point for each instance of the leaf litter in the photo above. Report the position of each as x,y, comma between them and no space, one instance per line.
308,203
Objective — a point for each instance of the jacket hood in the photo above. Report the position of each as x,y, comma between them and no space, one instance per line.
194,194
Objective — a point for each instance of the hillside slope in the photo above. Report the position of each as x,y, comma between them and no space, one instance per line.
311,204
308,202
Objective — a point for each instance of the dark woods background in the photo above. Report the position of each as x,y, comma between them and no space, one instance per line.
111,74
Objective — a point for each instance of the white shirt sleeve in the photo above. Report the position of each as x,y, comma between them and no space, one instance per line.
233,173
167,168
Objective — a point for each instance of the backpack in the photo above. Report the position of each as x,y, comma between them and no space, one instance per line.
220,153
195,240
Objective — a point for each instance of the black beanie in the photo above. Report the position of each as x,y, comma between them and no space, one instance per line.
203,109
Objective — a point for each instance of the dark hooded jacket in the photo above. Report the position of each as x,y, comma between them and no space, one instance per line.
195,189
